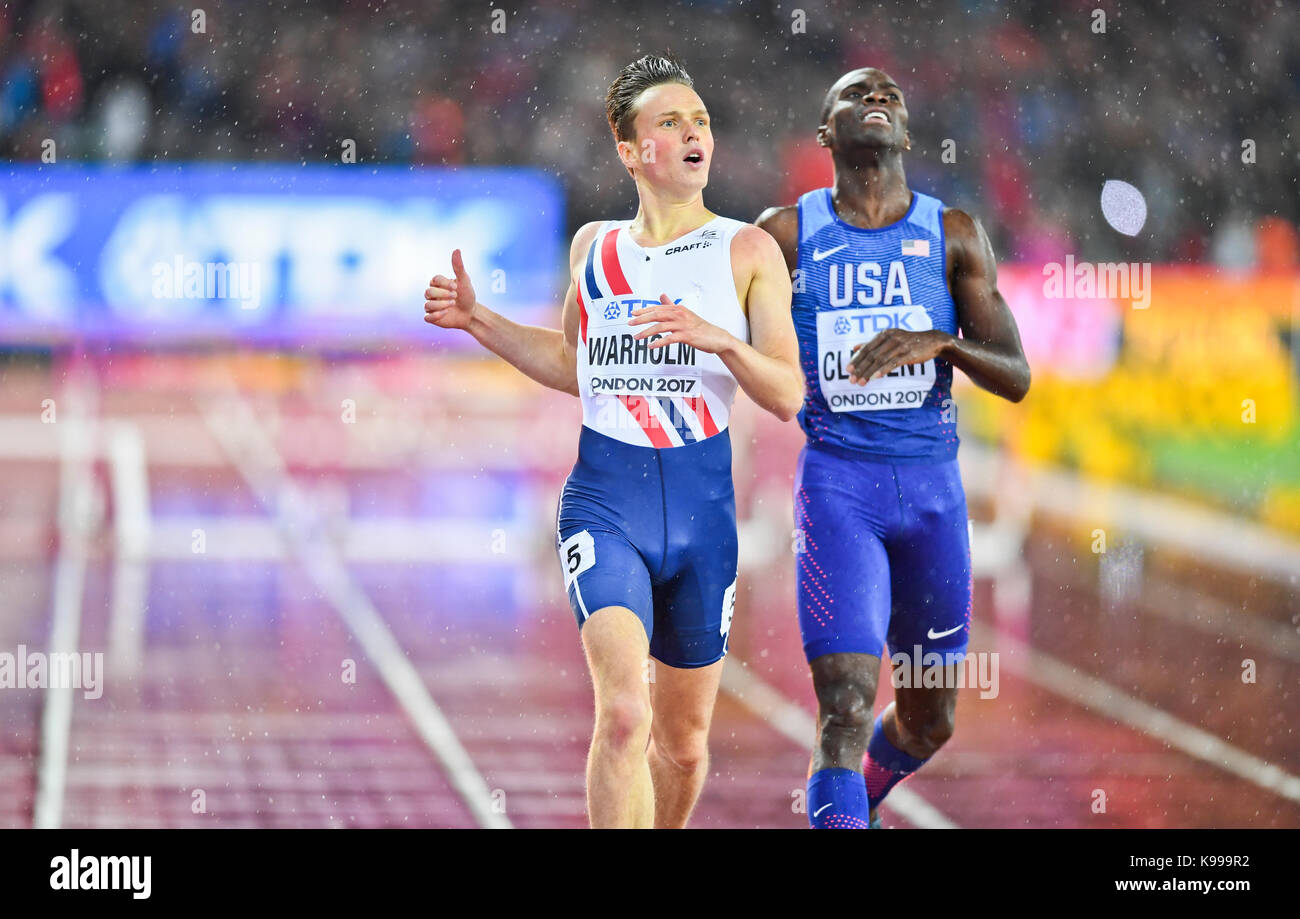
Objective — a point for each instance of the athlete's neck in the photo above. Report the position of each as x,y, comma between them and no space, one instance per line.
872,190
662,217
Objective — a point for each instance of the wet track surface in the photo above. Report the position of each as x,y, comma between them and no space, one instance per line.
256,705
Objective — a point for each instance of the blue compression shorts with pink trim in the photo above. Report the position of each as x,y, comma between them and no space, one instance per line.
882,555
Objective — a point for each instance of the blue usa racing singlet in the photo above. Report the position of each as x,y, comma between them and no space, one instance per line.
852,284
883,553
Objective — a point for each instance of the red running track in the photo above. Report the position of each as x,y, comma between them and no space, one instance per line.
242,708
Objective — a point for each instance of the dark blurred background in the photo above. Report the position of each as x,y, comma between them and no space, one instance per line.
1041,107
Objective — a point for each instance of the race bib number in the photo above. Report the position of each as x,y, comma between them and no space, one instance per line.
728,608
577,554
839,330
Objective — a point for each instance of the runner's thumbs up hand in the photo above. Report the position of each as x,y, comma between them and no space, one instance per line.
449,302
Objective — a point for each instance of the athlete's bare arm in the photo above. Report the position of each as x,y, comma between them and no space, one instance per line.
988,350
548,356
768,371
782,224
767,366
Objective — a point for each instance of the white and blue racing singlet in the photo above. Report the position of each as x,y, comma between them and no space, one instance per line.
662,397
852,283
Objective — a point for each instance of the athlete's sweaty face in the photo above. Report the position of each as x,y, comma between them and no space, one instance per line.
672,145
866,108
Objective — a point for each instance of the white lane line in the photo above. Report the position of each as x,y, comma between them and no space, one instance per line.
1046,671
249,448
76,517
797,723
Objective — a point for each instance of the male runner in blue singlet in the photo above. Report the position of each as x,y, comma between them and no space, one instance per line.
665,316
884,279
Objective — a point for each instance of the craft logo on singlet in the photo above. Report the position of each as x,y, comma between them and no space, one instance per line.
706,239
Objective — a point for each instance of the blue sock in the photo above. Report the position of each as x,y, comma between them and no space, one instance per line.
837,800
885,765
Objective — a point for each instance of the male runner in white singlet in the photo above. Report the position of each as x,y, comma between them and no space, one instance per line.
665,315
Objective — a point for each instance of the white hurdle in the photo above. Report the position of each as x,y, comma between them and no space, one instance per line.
130,482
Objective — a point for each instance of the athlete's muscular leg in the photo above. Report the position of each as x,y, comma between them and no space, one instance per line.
619,792
920,720
846,691
682,700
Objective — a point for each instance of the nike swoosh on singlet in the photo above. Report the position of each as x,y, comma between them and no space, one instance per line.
818,255
931,633
822,808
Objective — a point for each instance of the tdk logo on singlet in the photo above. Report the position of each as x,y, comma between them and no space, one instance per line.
849,283
871,323
864,327
623,308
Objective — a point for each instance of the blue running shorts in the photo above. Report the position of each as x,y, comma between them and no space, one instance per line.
882,555
653,530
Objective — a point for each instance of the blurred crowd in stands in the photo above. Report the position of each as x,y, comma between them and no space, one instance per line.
1195,102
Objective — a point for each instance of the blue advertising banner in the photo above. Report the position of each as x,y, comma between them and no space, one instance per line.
338,254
